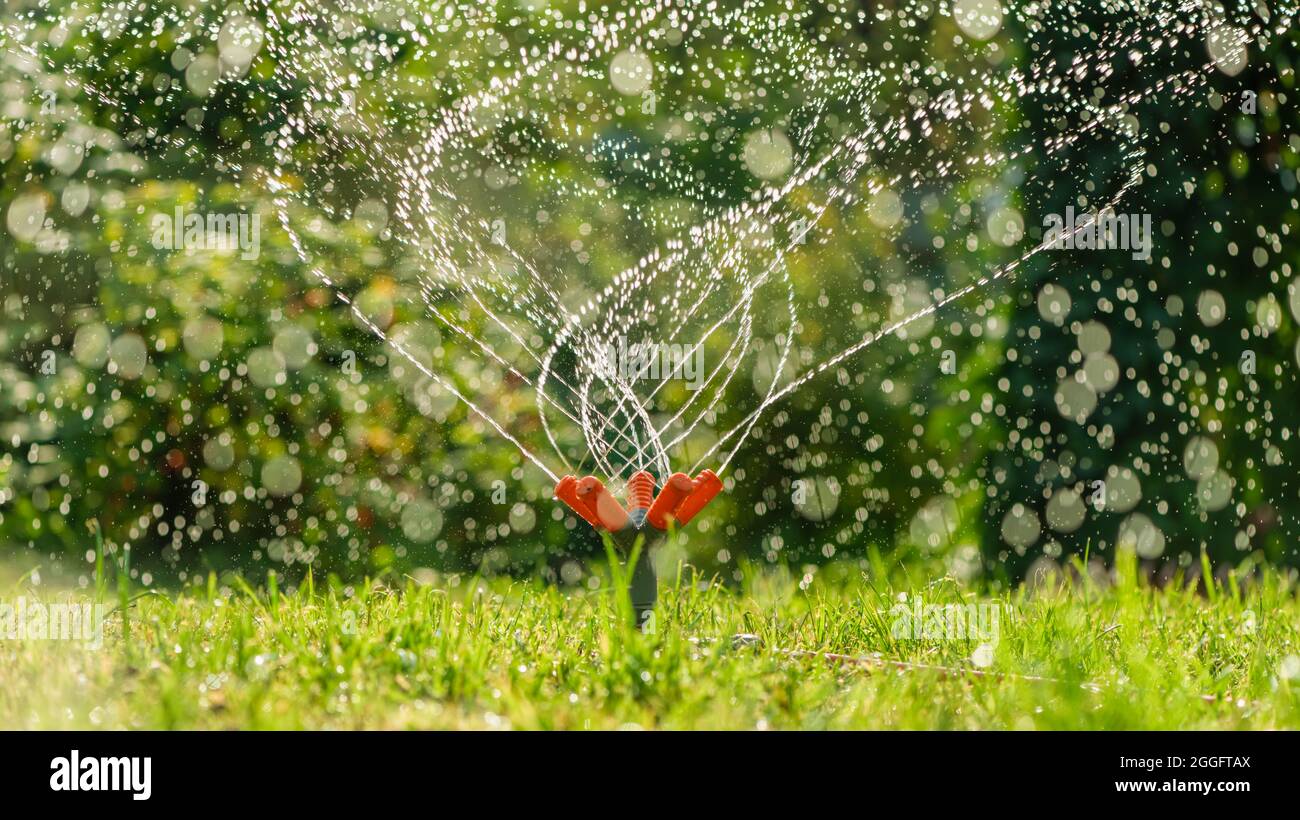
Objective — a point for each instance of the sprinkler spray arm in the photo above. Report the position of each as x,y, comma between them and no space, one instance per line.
680,500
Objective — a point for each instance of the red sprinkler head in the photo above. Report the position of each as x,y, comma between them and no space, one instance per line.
567,491
640,494
681,499
676,489
705,486
602,503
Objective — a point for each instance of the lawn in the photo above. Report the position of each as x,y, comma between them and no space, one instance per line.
495,653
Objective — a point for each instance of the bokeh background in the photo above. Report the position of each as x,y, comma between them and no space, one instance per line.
209,412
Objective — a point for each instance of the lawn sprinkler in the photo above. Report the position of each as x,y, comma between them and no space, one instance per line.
680,500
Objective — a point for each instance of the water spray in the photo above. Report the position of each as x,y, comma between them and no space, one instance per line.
679,501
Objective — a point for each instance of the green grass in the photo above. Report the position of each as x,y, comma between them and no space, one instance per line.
494,654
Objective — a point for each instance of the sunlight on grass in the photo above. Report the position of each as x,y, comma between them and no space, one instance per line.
498,654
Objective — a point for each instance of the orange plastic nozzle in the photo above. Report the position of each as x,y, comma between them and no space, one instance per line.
676,489
707,485
611,514
567,491
640,491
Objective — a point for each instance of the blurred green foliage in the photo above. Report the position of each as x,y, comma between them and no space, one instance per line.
212,411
